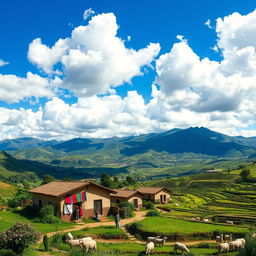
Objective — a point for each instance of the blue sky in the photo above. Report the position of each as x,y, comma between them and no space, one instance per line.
165,84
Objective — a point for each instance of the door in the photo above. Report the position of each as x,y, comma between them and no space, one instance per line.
135,203
98,206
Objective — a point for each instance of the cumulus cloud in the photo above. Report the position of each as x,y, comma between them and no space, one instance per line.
3,63
208,24
94,59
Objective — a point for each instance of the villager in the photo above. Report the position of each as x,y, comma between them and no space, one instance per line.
77,212
117,220
97,216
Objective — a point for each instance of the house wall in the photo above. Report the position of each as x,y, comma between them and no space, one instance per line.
157,197
92,193
115,199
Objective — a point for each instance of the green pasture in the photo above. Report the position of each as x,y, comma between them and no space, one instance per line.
164,225
9,218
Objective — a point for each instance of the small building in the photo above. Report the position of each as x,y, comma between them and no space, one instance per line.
73,196
155,195
131,196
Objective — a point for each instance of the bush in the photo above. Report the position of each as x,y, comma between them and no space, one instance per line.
18,237
250,247
153,213
50,219
134,227
126,209
5,252
148,205
47,210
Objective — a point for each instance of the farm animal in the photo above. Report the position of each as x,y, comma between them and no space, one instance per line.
179,246
193,219
253,235
219,239
69,236
150,247
230,222
152,238
228,238
177,204
88,245
160,241
205,220
198,219
223,247
237,244
73,243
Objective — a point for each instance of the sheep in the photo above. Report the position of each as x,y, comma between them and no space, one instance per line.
177,204
228,238
69,236
160,241
152,238
73,243
243,241
193,219
198,219
237,244
150,247
253,235
223,247
179,246
88,245
230,222
205,220
219,239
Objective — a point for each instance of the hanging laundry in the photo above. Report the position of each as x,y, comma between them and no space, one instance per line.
68,200
68,209
79,197
84,196
80,212
74,199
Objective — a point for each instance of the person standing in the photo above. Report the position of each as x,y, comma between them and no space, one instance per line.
97,215
117,220
77,213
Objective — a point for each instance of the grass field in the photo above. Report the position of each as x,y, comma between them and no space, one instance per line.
9,218
7,190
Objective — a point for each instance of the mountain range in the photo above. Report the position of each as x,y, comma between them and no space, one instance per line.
167,153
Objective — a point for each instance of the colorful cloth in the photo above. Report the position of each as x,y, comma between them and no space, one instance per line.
84,196
68,200
79,198
74,199
81,211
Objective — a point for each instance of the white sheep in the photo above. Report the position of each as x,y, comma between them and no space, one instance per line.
253,235
237,244
198,219
69,236
223,247
88,245
228,238
193,219
219,239
150,247
73,243
205,220
160,241
179,246
152,238
230,222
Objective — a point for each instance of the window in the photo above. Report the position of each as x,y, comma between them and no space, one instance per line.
40,203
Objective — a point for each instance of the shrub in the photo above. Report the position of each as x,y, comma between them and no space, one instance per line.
46,243
126,209
153,213
46,211
250,247
18,237
5,252
50,219
134,227
148,205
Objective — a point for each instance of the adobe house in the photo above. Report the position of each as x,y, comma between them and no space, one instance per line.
155,195
131,196
89,197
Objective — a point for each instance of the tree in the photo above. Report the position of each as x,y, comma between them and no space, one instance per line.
245,173
130,180
47,179
106,180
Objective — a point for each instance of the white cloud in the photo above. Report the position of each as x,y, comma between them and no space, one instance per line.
88,13
13,88
208,24
94,59
3,63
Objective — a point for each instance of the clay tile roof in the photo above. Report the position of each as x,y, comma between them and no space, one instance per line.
124,193
59,188
151,190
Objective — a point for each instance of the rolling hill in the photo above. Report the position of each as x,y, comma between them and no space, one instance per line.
156,154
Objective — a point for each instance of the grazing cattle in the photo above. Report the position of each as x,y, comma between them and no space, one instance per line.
150,247
179,246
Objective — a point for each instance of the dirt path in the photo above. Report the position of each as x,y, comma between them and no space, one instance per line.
138,216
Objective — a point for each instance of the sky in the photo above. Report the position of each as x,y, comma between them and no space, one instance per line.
104,68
